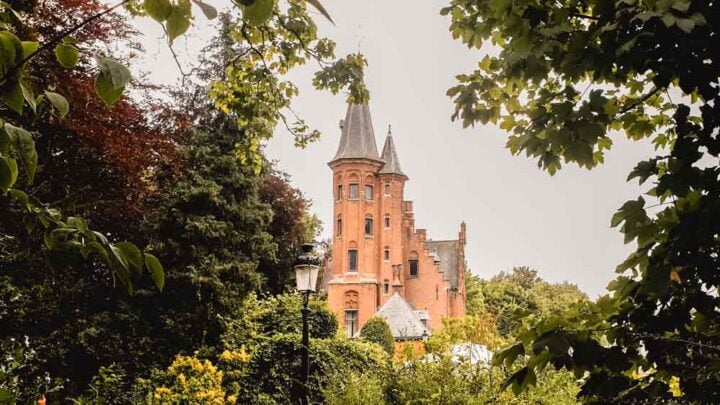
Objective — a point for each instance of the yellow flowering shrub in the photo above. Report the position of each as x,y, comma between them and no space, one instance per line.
190,380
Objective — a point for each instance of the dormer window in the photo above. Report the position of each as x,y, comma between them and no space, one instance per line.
369,192
354,191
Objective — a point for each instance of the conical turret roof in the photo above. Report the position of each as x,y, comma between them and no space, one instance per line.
389,156
358,138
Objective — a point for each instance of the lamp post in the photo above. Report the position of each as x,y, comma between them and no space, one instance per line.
306,266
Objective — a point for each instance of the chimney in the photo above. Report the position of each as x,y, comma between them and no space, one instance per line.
463,233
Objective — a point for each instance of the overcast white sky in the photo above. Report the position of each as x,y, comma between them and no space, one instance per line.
516,214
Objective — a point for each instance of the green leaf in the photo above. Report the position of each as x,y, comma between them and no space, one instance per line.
6,396
30,221
59,102
132,255
11,93
29,96
19,196
209,11
25,146
179,20
11,51
94,247
29,48
159,10
67,55
319,7
8,172
119,74
259,12
106,91
156,270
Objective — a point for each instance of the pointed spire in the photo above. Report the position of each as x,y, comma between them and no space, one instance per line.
389,155
358,138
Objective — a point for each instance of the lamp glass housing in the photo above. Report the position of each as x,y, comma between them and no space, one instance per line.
306,277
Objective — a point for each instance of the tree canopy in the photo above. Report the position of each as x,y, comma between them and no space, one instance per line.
570,76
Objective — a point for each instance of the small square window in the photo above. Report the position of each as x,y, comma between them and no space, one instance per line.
369,193
354,191
387,189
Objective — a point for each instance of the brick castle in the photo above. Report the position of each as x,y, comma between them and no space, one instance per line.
381,265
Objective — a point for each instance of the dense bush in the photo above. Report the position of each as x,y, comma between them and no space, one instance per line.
376,330
259,319
272,371
188,380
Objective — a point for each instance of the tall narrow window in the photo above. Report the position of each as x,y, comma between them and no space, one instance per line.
339,192
387,188
352,260
414,270
437,292
387,221
354,191
369,192
368,226
386,255
386,287
339,226
351,322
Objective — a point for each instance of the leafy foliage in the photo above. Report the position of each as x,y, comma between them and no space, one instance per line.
258,320
509,298
568,74
376,330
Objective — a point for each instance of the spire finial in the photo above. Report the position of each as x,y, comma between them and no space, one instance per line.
389,129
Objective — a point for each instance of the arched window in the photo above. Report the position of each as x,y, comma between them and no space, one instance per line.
354,187
369,192
413,265
386,287
387,221
352,257
386,254
351,313
368,226
387,189
339,229
339,192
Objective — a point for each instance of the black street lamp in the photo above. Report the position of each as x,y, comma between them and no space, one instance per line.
306,266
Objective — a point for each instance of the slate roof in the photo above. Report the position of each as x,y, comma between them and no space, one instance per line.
389,156
357,140
402,318
446,254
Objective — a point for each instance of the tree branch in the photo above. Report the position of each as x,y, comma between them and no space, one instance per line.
56,40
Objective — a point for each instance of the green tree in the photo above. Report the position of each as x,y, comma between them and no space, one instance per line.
510,297
376,330
568,74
